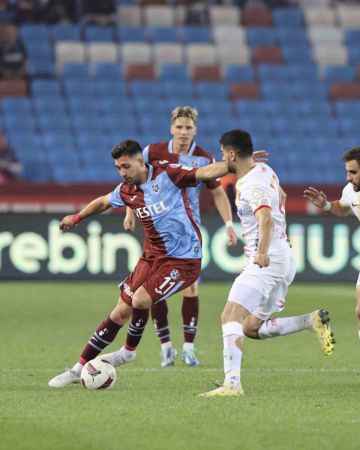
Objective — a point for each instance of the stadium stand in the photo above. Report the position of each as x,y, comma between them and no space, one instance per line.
288,74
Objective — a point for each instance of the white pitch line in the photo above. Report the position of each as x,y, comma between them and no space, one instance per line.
26,371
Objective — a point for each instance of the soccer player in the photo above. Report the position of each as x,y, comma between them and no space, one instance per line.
260,290
172,246
347,204
184,150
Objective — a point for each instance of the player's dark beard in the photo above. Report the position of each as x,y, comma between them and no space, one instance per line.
356,187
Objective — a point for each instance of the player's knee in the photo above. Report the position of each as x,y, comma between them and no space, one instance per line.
140,302
251,328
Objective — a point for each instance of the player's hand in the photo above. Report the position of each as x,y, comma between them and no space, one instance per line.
318,198
129,222
231,236
261,156
69,222
262,260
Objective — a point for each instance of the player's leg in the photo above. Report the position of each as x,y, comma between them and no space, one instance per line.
159,314
104,334
357,307
190,316
232,319
261,325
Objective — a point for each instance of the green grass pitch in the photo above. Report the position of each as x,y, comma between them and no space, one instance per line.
295,397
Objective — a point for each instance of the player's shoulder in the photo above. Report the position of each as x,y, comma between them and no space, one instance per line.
159,146
199,151
348,189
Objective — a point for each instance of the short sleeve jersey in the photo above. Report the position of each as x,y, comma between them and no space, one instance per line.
162,206
351,199
259,188
196,157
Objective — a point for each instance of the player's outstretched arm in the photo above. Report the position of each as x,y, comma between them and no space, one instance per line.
96,206
212,171
319,199
129,220
264,219
223,206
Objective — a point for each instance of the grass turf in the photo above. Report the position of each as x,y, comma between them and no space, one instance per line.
295,397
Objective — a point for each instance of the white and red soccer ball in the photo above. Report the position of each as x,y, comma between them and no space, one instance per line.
98,374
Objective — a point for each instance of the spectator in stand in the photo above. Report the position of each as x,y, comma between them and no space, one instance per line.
48,11
10,168
12,53
100,13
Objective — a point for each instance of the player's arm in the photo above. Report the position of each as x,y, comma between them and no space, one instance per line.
129,220
212,171
223,206
96,206
319,199
265,222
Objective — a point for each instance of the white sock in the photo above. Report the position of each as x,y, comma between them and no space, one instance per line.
188,346
284,325
77,368
232,331
166,345
359,334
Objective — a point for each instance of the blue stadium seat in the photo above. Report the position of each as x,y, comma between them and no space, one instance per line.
339,73
93,33
147,105
35,33
162,34
107,71
354,55
13,105
66,32
348,108
214,107
352,38
274,72
258,36
192,34
152,89
116,106
303,72
50,122
49,106
131,34
236,73
177,88
50,88
211,89
288,17
58,139
76,70
289,36
40,68
296,54
74,87
150,124
173,72
109,88
39,50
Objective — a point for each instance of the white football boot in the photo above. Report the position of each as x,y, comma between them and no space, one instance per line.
119,357
167,356
188,356
64,379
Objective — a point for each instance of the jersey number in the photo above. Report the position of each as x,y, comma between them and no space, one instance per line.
165,287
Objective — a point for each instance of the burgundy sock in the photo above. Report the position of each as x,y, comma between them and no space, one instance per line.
190,314
136,327
159,314
104,335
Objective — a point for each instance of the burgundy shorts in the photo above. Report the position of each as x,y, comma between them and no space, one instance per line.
161,277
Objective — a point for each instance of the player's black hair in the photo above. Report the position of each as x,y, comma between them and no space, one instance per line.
353,154
128,148
239,140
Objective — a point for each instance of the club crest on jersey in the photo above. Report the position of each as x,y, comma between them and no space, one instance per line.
174,274
155,187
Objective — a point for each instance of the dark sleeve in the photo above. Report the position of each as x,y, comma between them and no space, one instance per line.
155,154
182,176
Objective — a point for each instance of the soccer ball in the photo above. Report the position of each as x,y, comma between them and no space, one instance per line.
98,374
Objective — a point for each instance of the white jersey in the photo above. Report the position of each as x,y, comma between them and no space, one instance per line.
351,199
260,188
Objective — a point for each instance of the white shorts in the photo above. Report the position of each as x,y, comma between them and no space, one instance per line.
262,291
